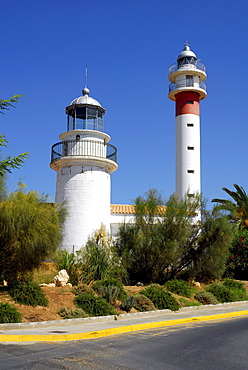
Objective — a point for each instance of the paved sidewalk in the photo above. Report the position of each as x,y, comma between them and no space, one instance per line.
96,327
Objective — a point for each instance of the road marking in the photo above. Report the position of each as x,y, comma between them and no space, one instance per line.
112,331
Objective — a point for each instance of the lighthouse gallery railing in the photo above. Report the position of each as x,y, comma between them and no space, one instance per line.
85,148
183,84
185,64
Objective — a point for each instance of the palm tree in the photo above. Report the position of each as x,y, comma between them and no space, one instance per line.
237,208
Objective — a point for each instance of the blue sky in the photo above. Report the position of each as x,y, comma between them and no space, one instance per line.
128,47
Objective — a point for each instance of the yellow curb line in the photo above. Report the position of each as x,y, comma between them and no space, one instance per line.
111,331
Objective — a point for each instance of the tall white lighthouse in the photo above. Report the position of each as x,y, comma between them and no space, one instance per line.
187,89
84,160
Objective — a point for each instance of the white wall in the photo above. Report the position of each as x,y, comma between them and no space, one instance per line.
187,159
85,190
116,220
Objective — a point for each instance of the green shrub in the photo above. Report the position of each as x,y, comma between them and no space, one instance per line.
206,297
109,292
237,287
31,231
188,303
233,284
143,303
237,262
179,287
65,260
128,304
9,313
82,288
222,293
94,306
72,314
122,295
160,298
28,293
99,259
138,301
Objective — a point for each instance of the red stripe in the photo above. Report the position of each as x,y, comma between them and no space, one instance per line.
183,103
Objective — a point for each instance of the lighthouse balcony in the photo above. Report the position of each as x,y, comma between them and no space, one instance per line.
85,149
200,88
177,69
186,64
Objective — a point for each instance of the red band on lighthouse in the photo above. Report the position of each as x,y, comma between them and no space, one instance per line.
187,102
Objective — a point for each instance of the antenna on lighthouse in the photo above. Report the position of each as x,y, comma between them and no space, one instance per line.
85,90
187,43
86,76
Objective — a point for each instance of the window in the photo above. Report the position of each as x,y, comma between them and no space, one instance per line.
189,102
189,80
190,148
78,138
190,125
191,171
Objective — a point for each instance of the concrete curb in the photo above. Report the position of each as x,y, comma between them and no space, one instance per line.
112,331
92,320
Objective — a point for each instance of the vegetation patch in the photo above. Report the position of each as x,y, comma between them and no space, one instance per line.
159,245
160,298
31,231
67,261
186,303
82,288
237,287
99,260
206,297
128,304
44,273
138,301
143,303
94,306
224,293
237,262
28,293
9,313
109,292
99,284
72,314
179,287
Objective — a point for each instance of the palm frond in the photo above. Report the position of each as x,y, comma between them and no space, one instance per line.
237,207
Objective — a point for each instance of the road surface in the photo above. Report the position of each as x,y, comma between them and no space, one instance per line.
220,344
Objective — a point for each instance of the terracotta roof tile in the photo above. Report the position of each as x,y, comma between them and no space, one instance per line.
128,209
122,208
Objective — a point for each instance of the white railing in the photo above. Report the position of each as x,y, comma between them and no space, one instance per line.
183,84
184,64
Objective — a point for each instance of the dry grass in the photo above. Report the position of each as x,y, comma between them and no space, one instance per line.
45,273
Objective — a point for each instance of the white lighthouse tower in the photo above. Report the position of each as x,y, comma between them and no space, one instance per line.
187,89
84,160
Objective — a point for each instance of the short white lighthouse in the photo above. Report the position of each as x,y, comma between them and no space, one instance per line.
187,89
84,160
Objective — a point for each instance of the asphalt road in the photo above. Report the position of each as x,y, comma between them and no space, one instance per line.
220,344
